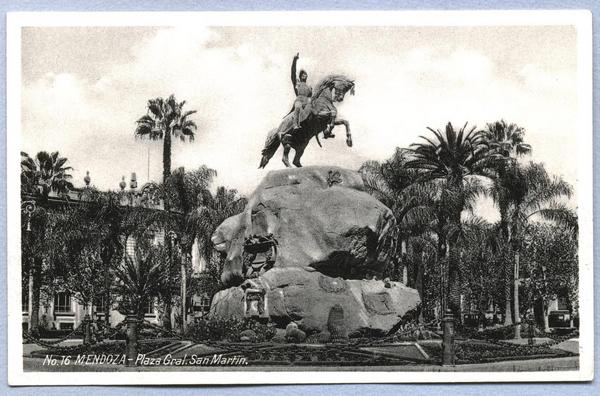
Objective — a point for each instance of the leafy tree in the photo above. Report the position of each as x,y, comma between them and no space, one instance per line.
542,199
208,281
506,141
453,156
551,266
110,216
40,176
482,263
85,246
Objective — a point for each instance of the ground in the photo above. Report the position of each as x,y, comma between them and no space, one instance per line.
570,362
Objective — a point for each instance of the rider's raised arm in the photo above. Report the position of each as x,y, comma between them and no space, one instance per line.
294,74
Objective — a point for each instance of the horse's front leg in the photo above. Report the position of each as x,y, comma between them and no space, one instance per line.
348,134
286,153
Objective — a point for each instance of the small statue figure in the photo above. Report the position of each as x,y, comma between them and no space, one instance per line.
260,253
254,303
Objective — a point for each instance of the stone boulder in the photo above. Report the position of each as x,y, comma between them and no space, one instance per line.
320,216
317,303
326,241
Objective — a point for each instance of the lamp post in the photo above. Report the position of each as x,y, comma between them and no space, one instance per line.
131,343
448,352
28,208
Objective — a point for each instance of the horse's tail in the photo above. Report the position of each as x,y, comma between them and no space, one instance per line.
271,146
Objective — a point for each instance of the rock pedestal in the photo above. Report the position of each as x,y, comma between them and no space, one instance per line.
311,240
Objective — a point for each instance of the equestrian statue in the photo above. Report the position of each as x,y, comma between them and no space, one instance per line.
313,112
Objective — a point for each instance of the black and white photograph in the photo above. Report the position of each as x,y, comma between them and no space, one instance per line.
299,197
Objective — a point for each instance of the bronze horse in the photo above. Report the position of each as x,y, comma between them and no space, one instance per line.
321,115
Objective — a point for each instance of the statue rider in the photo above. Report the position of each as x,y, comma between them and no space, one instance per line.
302,90
303,93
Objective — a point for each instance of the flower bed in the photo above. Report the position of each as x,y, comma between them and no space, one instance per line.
228,330
474,351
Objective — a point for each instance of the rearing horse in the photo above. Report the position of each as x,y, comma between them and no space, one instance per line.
322,115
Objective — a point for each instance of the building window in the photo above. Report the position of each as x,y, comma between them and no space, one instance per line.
130,246
205,303
201,304
149,307
99,304
562,303
65,326
25,301
62,302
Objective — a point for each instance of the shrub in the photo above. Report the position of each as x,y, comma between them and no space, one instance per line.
248,336
500,332
295,336
483,351
264,332
217,329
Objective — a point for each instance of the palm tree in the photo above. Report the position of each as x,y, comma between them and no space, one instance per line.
44,174
396,186
138,278
166,119
211,211
40,176
453,156
506,140
542,197
186,190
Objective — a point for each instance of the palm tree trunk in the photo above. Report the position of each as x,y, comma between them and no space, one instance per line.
454,291
508,278
166,155
419,281
167,207
508,267
183,297
404,262
516,296
442,249
454,280
106,259
106,306
545,314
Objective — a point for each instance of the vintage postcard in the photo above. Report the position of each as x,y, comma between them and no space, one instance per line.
299,197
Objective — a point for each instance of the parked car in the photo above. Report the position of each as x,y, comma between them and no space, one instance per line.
559,319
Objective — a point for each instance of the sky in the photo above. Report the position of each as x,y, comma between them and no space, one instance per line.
83,88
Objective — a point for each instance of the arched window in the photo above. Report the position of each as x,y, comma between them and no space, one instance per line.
62,302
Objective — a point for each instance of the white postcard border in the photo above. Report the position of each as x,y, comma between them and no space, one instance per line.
578,18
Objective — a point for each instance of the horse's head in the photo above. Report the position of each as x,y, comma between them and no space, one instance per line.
337,84
341,86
